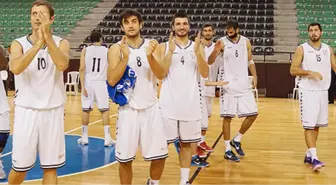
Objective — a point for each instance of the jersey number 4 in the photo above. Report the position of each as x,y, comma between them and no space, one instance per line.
41,63
94,65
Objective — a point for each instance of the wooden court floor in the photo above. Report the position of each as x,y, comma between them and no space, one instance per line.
274,148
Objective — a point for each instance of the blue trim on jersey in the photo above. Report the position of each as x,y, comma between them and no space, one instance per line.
120,93
79,158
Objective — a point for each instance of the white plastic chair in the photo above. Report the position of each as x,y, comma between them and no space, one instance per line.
72,80
296,88
3,75
254,90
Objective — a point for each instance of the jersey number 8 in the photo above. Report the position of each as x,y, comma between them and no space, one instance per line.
138,61
41,63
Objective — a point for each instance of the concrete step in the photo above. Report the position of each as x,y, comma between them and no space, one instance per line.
285,19
285,27
285,12
285,48
287,43
285,39
285,6
285,1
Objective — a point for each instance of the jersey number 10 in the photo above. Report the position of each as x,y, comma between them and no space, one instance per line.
41,63
94,65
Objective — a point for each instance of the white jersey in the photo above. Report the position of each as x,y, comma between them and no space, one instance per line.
180,91
4,107
213,70
96,63
318,61
235,67
144,93
40,85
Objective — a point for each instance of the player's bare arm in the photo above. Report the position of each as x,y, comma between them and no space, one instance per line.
3,60
219,46
116,63
153,56
203,66
332,59
18,61
296,69
59,55
82,72
218,83
251,64
166,58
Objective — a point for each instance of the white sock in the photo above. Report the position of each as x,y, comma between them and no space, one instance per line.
184,175
308,153
107,131
85,133
313,153
203,139
153,182
238,137
227,145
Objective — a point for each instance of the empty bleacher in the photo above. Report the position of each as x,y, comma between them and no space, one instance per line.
256,18
15,17
322,11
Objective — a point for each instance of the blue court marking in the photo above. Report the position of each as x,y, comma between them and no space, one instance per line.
79,159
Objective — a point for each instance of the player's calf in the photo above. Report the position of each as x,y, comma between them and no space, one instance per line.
16,177
49,176
125,172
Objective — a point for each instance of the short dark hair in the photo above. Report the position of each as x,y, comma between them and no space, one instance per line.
180,15
207,25
95,36
44,3
315,24
232,24
128,13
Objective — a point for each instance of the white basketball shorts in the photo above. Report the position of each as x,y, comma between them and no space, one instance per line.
205,121
38,131
142,128
209,102
4,122
185,131
97,92
243,106
313,108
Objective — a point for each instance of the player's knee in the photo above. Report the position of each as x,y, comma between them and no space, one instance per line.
227,119
126,165
3,139
50,171
185,145
252,118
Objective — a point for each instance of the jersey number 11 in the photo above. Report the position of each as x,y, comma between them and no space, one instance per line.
94,65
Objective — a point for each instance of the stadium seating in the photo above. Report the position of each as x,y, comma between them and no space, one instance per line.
322,11
15,17
255,18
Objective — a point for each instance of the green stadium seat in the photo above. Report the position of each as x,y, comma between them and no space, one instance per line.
15,17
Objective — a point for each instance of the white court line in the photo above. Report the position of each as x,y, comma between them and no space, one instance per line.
81,172
67,132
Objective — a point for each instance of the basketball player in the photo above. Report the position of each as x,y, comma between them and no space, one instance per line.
139,121
312,62
93,75
236,97
38,61
4,111
183,62
208,32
